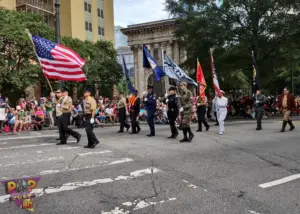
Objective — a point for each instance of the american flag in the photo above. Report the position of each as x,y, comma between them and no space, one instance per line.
214,75
57,61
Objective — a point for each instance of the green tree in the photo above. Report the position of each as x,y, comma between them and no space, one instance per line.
17,69
270,28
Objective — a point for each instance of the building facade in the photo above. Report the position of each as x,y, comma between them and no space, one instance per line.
120,38
128,57
83,19
158,36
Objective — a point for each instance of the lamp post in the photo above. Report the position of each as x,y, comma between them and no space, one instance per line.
57,30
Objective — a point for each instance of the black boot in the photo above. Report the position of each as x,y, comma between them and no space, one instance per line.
292,127
185,139
206,126
172,135
283,126
199,126
191,135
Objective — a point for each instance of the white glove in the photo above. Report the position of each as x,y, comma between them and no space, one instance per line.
166,95
58,105
145,99
198,104
181,109
92,121
257,101
167,100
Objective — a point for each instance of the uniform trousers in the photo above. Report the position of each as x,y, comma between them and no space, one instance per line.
134,124
221,114
201,110
172,116
259,115
122,119
65,130
89,128
150,120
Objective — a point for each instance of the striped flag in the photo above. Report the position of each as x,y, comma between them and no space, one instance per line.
58,62
214,75
201,80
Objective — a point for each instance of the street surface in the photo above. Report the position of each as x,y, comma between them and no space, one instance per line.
242,172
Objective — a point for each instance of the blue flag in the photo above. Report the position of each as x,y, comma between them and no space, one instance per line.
126,73
173,71
149,62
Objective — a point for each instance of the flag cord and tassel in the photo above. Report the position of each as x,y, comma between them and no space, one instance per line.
30,37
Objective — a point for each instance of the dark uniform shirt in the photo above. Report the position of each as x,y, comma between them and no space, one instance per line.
173,102
151,102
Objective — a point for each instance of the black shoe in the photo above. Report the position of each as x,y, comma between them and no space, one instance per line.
138,129
78,138
283,126
175,135
151,135
120,131
172,136
57,139
191,137
89,147
132,132
61,143
184,140
292,127
199,130
207,128
258,128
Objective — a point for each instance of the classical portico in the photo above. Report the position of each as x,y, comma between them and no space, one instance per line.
158,36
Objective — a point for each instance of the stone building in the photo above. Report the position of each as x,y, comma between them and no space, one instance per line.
158,36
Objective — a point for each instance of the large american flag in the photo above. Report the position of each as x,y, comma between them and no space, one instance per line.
214,76
57,61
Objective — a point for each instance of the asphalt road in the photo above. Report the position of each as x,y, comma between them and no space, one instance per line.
242,172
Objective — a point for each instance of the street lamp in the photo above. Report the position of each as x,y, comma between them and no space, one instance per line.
57,30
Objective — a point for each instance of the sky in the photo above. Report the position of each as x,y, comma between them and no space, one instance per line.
128,12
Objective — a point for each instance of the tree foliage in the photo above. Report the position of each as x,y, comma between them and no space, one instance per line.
270,28
18,67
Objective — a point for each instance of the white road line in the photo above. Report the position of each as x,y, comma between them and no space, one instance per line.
137,206
75,185
280,181
51,150
26,146
94,153
33,161
102,163
27,137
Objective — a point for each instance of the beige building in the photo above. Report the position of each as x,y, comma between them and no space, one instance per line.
158,36
83,19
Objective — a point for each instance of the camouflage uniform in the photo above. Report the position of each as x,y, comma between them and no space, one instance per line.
186,104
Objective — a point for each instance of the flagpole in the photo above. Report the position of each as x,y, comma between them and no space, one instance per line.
30,37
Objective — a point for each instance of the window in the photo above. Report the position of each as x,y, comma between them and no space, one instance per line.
102,31
102,14
99,31
90,27
87,7
99,12
86,26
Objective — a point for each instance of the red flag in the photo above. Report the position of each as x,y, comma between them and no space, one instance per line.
201,80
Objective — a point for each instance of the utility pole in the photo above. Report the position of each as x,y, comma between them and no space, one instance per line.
57,30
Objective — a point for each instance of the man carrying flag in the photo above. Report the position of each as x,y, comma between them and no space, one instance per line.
258,99
221,100
201,99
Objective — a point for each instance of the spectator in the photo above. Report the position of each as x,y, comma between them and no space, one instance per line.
109,111
39,118
19,119
49,109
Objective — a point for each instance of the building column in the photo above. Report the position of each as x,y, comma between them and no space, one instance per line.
141,85
135,50
176,56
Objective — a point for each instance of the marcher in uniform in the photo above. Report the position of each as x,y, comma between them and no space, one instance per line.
58,112
286,105
201,111
221,105
150,103
172,101
89,116
259,102
186,112
66,108
134,102
121,106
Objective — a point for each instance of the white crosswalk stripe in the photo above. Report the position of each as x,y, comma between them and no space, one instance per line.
49,161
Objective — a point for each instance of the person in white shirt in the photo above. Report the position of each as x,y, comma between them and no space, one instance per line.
109,111
221,107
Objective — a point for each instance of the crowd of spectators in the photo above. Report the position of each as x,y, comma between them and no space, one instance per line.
36,114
